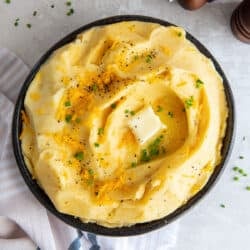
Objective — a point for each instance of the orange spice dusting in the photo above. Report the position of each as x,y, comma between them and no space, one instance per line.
68,139
35,96
105,188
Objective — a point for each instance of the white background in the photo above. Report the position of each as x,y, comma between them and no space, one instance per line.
207,226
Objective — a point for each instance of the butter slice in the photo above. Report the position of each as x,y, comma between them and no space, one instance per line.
145,124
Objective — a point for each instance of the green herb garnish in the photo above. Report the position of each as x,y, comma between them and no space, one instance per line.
113,105
68,3
133,164
95,87
152,151
7,1
96,144
236,178
148,58
68,118
100,131
126,111
241,157
132,112
67,104
91,171
248,188
79,156
189,102
35,13
199,83
222,205
241,171
179,34
52,6
70,12
235,168
17,22
144,156
28,25
159,108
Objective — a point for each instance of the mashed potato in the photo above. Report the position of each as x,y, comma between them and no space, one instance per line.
125,124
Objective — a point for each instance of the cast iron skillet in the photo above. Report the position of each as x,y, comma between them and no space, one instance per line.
138,228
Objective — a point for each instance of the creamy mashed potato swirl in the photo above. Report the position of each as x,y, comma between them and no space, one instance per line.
77,137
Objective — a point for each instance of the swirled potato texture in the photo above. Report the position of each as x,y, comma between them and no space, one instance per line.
125,124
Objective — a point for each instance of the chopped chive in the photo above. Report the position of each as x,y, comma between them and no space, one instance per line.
189,102
132,112
152,151
248,188
133,164
241,157
70,12
68,118
91,171
113,105
96,144
100,131
241,171
149,58
28,25
67,104
52,6
17,22
144,156
126,111
7,1
236,178
68,3
94,87
222,205
245,174
35,13
235,168
79,156
159,108
199,83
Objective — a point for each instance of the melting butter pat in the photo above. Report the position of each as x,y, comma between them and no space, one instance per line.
145,124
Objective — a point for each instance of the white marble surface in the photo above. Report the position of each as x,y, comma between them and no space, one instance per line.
207,226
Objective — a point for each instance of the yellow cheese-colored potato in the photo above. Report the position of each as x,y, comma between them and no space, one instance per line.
76,137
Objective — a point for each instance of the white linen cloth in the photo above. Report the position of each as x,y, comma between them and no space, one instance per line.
24,222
